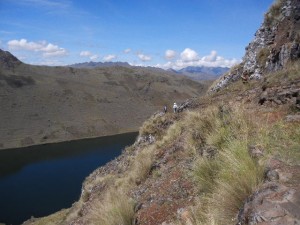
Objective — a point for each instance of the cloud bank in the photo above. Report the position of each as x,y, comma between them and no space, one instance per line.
89,55
143,57
108,58
47,49
170,54
189,57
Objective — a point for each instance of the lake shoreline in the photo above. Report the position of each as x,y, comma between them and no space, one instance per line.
40,180
57,141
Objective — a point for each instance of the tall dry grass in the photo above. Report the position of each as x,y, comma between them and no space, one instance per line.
226,180
114,209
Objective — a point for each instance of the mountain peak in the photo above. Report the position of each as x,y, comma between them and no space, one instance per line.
203,72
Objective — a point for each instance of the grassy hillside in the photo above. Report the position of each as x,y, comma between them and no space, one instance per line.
42,104
230,157
203,165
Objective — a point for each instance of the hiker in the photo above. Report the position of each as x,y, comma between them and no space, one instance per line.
245,77
165,109
151,139
175,107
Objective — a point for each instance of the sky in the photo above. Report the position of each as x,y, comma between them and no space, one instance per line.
161,33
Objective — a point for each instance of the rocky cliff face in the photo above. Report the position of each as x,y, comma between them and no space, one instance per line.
276,43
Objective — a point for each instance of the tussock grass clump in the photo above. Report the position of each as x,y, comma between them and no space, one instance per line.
226,180
283,141
205,173
200,125
142,165
238,176
115,208
157,124
171,134
290,73
262,56
229,124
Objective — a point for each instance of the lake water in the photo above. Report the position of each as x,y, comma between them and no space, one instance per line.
40,180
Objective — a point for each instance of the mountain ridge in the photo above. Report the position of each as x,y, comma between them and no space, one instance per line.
203,72
194,72
93,64
42,104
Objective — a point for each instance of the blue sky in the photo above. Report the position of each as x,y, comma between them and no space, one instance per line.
164,33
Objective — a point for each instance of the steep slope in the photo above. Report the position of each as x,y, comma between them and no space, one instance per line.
48,104
231,157
223,159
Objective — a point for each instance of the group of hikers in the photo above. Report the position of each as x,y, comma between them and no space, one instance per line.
175,108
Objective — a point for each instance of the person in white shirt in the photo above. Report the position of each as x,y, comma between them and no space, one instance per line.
175,107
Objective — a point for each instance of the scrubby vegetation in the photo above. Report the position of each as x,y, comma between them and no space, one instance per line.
218,139
272,15
288,74
114,208
225,173
262,56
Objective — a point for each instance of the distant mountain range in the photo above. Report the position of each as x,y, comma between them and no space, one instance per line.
193,72
202,72
99,64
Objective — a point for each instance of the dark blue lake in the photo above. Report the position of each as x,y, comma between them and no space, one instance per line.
39,180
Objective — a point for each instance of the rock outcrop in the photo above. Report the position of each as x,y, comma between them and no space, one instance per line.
277,200
276,43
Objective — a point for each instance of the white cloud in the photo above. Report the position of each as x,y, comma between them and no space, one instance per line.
189,55
89,54
48,49
190,58
109,57
58,52
85,53
49,63
127,50
212,57
143,57
94,57
170,54
23,44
